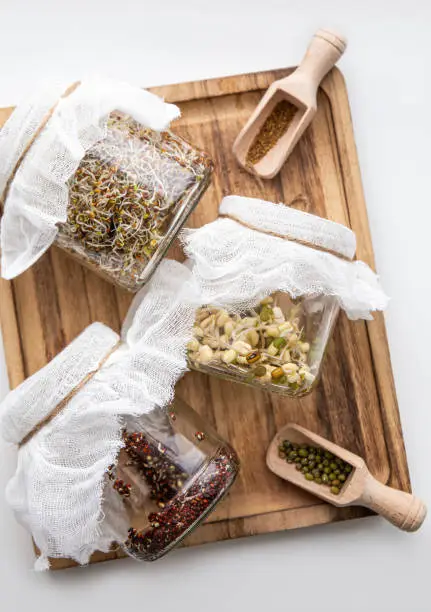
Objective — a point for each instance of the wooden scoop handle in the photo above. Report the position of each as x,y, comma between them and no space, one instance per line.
402,509
323,52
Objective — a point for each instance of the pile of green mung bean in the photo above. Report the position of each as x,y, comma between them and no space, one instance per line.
317,464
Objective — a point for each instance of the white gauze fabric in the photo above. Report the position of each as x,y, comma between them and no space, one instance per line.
236,266
58,490
38,196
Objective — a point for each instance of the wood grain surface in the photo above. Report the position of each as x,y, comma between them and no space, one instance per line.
355,403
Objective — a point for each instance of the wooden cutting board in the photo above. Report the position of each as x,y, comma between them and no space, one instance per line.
355,403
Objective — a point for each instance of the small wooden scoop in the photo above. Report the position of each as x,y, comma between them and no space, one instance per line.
360,489
300,89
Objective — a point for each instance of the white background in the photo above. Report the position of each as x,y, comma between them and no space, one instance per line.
357,566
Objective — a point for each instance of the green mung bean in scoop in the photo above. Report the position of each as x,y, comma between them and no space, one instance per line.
304,458
317,465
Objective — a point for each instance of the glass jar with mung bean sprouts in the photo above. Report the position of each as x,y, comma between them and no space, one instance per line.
277,345
272,280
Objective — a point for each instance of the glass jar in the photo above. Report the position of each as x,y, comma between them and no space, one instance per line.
170,474
129,197
277,346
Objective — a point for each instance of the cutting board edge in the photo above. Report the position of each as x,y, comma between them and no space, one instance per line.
399,476
229,529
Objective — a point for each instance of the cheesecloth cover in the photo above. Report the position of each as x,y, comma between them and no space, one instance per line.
38,196
236,266
58,490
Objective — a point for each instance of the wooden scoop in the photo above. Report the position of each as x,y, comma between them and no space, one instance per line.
300,89
360,489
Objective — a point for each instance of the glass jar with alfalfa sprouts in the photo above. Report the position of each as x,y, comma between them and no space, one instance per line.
272,280
97,171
